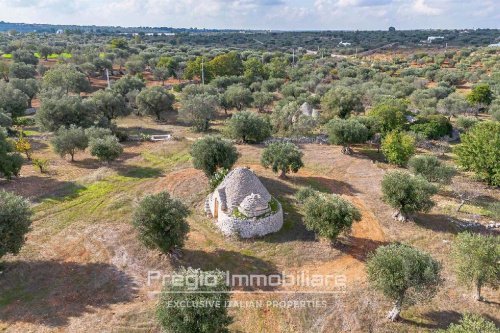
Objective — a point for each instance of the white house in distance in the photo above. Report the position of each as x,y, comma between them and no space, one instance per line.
431,39
243,207
344,44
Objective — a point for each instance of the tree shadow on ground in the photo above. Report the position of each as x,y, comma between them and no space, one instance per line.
37,188
229,261
136,130
140,172
293,228
436,319
436,222
358,248
326,185
51,292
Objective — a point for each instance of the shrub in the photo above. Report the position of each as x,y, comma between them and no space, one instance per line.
282,157
390,115
23,146
433,127
466,123
305,193
41,163
212,153
476,261
480,94
217,178
192,319
67,141
15,221
398,147
161,222
346,132
329,215
10,161
472,323
480,151
431,168
248,127
407,194
106,149
401,272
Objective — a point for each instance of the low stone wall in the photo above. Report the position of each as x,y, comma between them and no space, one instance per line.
319,139
249,228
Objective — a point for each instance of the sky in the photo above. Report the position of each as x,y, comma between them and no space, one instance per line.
260,14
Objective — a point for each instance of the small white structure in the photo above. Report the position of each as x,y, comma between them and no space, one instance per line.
430,39
59,32
243,206
494,45
344,44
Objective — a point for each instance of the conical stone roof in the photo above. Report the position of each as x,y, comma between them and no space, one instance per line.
239,184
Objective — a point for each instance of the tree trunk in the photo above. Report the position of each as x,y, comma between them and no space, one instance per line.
400,216
30,103
393,315
282,174
72,157
346,150
462,203
477,294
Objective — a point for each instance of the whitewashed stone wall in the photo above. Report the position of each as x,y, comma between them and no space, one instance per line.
252,227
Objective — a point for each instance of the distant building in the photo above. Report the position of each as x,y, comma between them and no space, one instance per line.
431,39
59,32
494,45
344,44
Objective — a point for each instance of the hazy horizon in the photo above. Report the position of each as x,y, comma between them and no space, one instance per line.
284,15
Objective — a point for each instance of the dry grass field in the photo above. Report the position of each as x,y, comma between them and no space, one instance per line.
82,268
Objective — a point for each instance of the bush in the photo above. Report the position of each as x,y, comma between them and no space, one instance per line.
480,151
282,157
67,141
106,149
161,222
466,123
346,132
400,272
217,178
10,161
398,147
212,153
407,194
472,323
41,163
340,102
305,193
390,115
248,127
192,319
431,168
433,127
329,215
476,261
15,221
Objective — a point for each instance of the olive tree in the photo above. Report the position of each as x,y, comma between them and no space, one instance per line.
212,318
15,221
110,105
403,274
10,161
479,151
328,215
238,96
340,102
67,141
389,114
29,87
262,99
155,101
407,194
248,127
13,101
21,70
453,105
66,77
212,153
106,148
161,222
128,83
476,261
282,157
198,110
56,111
346,132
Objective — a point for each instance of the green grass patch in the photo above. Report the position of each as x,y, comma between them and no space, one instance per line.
166,159
7,56
15,294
